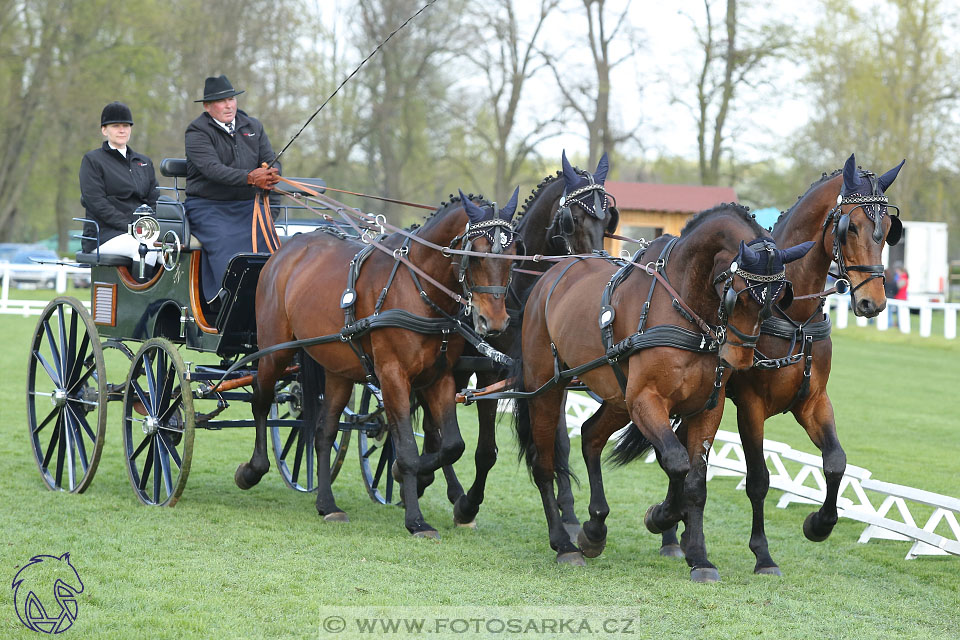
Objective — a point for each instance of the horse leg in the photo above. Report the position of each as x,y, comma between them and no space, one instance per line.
649,414
670,546
467,505
701,431
396,402
431,444
816,416
248,474
592,538
538,417
336,392
564,489
750,420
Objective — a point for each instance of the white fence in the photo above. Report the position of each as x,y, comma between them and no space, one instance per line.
839,307
8,272
800,476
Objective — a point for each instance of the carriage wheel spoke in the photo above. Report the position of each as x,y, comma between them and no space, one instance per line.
62,332
148,464
75,423
54,376
298,456
69,436
54,438
61,450
175,405
149,401
82,419
171,449
139,449
157,470
81,378
164,458
165,392
141,395
54,350
289,443
46,420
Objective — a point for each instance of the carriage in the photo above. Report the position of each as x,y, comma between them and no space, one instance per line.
149,318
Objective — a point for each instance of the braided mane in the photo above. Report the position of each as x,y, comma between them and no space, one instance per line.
727,207
823,178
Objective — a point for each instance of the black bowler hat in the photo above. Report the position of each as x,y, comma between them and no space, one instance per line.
116,113
218,89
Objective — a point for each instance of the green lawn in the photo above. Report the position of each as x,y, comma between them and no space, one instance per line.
260,564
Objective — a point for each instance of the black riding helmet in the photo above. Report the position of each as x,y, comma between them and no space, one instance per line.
116,113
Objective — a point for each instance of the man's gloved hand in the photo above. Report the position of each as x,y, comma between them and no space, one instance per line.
264,178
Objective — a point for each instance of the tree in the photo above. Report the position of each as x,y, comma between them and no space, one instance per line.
893,100
736,54
590,99
506,65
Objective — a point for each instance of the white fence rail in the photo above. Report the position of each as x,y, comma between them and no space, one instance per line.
800,476
899,312
10,272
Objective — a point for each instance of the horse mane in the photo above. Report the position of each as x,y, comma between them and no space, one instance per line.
727,207
534,194
447,206
816,183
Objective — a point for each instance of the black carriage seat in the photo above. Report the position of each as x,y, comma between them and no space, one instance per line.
173,168
236,321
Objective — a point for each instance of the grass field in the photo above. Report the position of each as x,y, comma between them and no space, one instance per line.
260,564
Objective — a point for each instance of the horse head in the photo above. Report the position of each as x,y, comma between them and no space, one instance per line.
485,279
861,220
752,266
582,212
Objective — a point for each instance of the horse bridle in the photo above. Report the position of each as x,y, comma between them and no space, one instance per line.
501,234
763,289
564,219
874,206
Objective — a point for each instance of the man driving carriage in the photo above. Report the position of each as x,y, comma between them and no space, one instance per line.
228,159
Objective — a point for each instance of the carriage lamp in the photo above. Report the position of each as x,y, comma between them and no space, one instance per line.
146,230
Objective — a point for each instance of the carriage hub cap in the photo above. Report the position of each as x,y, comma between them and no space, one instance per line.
59,397
150,425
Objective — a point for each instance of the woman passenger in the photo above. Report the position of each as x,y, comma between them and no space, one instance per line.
114,181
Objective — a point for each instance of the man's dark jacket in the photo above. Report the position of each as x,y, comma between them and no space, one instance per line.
218,164
111,189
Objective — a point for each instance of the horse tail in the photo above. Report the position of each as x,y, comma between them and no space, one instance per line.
522,425
630,445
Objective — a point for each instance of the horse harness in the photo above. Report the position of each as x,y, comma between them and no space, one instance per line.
563,218
875,206
708,340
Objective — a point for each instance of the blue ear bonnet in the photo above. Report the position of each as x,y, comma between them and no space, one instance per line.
865,189
491,222
585,188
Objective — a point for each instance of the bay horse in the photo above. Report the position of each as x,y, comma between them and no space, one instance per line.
566,214
328,284
643,365
846,214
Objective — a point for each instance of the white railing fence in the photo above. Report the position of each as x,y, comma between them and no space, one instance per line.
898,313
24,307
800,476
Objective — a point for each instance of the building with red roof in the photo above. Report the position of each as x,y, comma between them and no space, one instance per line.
648,210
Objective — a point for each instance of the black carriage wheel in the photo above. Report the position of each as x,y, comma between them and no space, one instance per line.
66,396
293,446
158,423
375,444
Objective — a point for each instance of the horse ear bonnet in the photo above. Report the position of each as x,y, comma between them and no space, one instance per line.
474,213
506,213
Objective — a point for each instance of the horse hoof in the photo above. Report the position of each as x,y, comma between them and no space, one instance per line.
705,574
467,525
428,534
590,548
768,571
572,558
648,520
463,513
573,530
242,479
808,531
671,551
336,516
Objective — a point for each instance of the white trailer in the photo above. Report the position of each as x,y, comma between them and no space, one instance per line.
923,252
